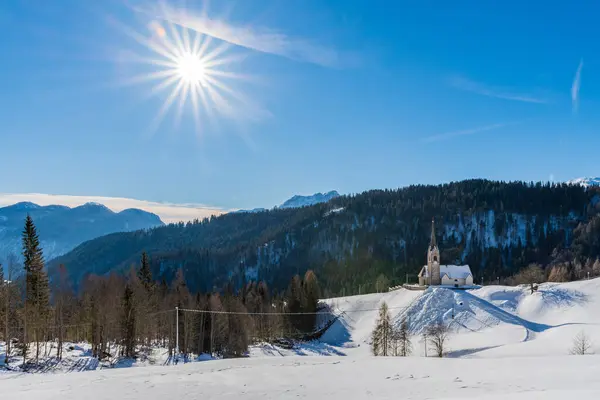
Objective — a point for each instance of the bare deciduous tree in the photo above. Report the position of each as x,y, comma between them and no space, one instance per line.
405,344
531,275
382,283
438,335
382,334
581,344
559,273
596,267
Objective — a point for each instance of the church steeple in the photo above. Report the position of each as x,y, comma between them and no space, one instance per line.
433,242
433,258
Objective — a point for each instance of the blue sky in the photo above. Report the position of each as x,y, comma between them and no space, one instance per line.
345,95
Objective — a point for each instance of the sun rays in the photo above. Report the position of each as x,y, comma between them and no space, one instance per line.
192,72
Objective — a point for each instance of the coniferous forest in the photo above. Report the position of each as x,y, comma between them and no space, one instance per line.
354,243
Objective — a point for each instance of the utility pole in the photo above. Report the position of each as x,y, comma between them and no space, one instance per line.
177,331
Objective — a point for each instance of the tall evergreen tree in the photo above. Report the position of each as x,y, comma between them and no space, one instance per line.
37,293
128,322
144,273
294,299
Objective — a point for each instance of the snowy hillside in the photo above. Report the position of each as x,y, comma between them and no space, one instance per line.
492,321
586,182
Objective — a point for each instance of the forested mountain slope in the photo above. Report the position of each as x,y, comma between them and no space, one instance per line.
496,227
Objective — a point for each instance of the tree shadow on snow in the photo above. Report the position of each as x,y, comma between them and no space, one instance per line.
559,297
316,347
468,352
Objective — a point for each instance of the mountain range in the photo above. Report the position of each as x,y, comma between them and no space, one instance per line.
62,228
495,227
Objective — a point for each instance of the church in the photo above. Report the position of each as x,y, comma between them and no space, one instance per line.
434,274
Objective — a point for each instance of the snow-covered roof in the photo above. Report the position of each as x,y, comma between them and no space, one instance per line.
452,271
455,271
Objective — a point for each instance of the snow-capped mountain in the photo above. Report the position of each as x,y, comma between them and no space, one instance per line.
62,228
302,201
586,182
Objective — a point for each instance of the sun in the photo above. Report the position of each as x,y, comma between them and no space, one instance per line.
195,72
191,69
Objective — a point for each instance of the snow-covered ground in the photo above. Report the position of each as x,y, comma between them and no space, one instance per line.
490,322
325,378
77,357
506,344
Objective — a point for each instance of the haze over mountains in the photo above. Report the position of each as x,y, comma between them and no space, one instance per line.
62,228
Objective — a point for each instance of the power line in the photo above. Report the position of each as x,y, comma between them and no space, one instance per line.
285,313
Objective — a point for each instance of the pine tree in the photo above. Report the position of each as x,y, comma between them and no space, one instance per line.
37,291
382,334
145,275
145,293
294,300
128,322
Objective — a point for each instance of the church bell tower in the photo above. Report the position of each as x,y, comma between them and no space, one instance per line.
433,259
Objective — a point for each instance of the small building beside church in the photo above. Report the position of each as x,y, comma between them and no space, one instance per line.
434,274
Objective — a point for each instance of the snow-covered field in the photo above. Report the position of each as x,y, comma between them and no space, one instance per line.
506,344
325,378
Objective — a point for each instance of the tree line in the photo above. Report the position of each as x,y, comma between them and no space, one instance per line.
127,314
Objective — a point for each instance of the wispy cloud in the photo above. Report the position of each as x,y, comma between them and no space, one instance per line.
262,39
494,91
465,132
576,86
166,211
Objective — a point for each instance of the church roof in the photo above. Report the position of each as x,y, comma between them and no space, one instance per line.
452,271
455,271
